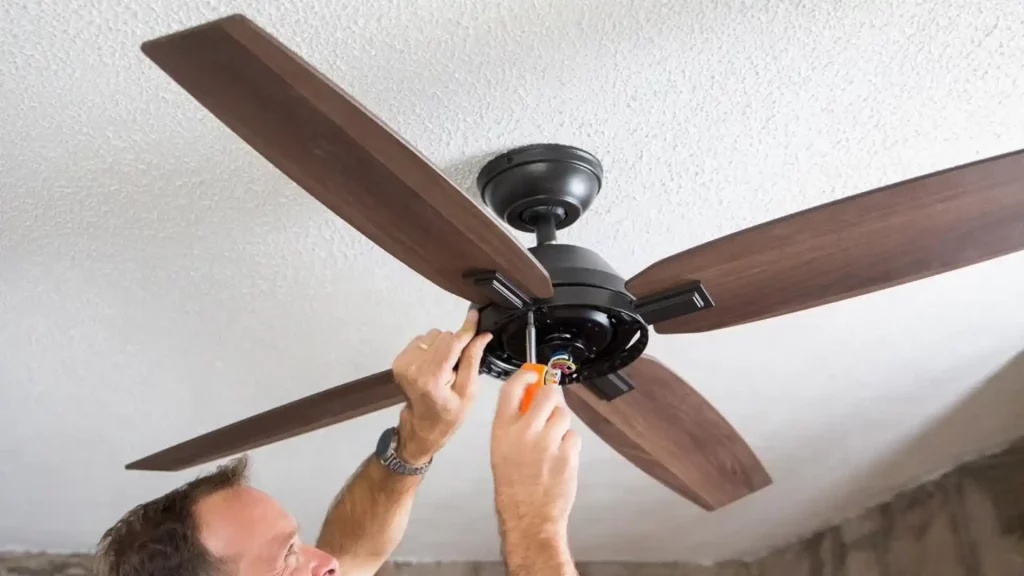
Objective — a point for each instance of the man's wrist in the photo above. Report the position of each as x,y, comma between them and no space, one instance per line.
546,532
412,455
536,550
411,448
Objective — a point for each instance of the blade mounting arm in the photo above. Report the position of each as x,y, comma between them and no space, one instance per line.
498,290
673,303
611,386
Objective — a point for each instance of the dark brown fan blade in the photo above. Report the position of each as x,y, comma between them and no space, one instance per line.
345,157
673,434
871,241
334,405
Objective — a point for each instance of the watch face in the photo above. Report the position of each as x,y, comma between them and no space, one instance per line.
384,443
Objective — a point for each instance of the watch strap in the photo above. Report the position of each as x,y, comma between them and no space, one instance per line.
394,463
388,456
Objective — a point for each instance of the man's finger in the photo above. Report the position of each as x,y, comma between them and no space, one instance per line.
512,393
429,338
463,337
544,402
571,440
571,444
558,423
469,365
413,345
441,352
471,323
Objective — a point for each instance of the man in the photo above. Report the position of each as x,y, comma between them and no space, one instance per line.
218,525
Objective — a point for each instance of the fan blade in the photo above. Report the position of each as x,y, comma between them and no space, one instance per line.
853,246
331,406
673,434
344,156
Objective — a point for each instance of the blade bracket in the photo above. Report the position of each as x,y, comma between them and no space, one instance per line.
499,290
680,301
611,386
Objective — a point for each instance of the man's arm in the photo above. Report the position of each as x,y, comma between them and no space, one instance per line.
534,458
537,554
368,518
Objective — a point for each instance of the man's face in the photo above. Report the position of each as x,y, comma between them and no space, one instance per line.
256,537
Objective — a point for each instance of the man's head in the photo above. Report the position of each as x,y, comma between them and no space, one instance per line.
216,525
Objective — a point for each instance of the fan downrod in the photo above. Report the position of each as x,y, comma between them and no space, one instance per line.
541,188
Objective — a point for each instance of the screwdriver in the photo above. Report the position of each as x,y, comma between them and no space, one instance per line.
531,364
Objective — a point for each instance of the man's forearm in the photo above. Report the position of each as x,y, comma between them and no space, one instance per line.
537,553
368,518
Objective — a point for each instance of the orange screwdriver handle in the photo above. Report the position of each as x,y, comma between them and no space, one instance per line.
538,369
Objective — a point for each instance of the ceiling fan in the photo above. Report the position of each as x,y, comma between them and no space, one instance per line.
351,162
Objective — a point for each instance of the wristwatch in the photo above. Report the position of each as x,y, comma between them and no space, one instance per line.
388,457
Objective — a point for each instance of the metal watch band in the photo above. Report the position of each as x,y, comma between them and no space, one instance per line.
388,456
396,464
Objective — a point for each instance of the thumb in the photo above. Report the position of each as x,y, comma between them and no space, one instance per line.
468,329
469,366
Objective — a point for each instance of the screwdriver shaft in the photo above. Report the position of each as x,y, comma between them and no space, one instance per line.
531,339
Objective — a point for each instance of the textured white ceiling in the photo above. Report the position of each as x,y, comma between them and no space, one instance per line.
158,278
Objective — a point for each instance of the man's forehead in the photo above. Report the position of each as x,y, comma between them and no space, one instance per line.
233,520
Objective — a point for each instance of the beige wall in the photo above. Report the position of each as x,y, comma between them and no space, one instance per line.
969,522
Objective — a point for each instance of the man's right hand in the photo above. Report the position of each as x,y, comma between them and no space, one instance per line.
534,458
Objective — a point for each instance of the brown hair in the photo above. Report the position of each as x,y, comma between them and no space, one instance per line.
161,537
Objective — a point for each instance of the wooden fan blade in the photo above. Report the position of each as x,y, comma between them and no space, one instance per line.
344,156
331,406
673,434
871,241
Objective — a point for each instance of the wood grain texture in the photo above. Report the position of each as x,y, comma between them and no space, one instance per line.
672,433
871,241
344,156
331,406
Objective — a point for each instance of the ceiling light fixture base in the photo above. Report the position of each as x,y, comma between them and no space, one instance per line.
534,186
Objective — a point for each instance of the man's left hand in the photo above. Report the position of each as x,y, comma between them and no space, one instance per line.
439,395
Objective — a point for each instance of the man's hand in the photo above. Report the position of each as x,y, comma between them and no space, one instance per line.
369,516
534,458
439,395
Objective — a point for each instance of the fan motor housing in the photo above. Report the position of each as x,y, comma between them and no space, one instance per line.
591,317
